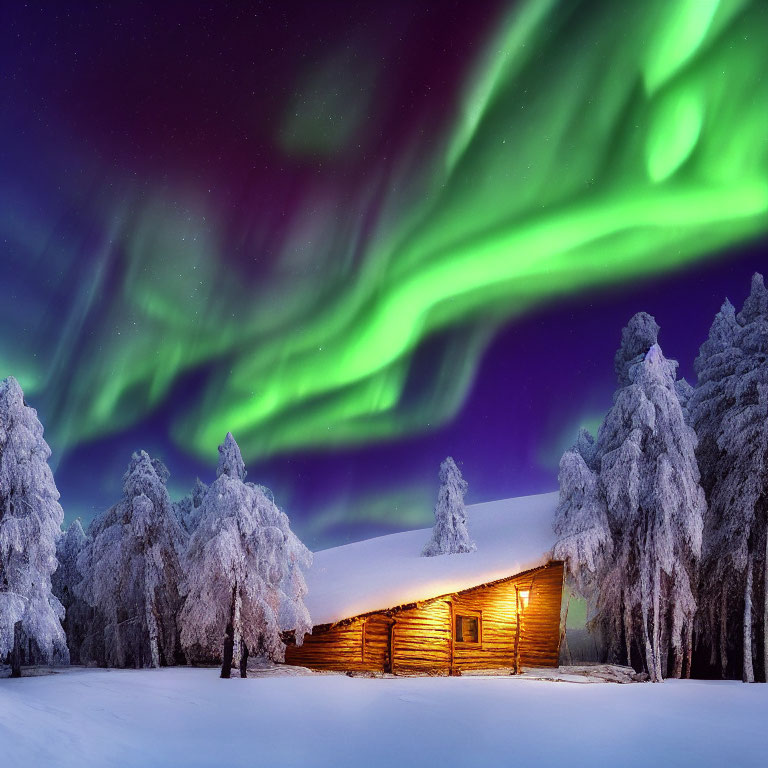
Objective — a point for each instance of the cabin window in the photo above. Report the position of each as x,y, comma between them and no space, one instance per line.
468,628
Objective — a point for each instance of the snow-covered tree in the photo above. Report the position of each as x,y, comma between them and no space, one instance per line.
188,509
230,459
729,409
715,367
631,512
30,526
131,572
586,447
244,567
650,478
450,534
64,582
584,538
639,335
684,393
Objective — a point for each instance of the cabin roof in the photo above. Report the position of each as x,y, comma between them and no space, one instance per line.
512,536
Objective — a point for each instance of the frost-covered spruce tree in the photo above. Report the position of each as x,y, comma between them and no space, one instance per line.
450,534
131,571
684,393
637,337
631,511
30,525
584,538
245,579
64,581
188,509
650,480
715,367
730,410
721,586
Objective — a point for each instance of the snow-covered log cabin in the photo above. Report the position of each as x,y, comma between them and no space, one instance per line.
378,605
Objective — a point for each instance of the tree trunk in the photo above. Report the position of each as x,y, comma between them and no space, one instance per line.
678,670
117,645
149,615
229,639
152,630
564,649
236,623
765,611
679,646
649,660
656,621
154,647
709,632
16,652
664,644
724,632
627,618
688,648
748,672
243,659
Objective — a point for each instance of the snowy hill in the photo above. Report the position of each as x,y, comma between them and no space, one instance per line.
512,535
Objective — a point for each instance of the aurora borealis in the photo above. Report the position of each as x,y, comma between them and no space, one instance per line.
363,236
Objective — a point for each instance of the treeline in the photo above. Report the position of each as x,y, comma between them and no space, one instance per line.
152,583
663,517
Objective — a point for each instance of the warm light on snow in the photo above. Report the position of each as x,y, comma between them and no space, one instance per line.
512,535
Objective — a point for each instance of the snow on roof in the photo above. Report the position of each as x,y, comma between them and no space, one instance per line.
512,535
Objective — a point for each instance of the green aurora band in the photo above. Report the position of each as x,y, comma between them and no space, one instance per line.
592,144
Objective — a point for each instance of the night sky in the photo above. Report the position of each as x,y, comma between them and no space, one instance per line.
363,236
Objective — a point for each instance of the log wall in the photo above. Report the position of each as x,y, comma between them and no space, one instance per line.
496,603
540,644
419,639
337,647
376,642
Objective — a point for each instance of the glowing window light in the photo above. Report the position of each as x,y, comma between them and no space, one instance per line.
525,596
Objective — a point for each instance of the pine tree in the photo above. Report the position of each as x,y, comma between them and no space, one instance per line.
131,571
631,512
639,335
64,581
581,520
650,479
188,509
246,584
730,411
715,367
450,534
30,525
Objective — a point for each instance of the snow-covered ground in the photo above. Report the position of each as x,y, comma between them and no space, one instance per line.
188,717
